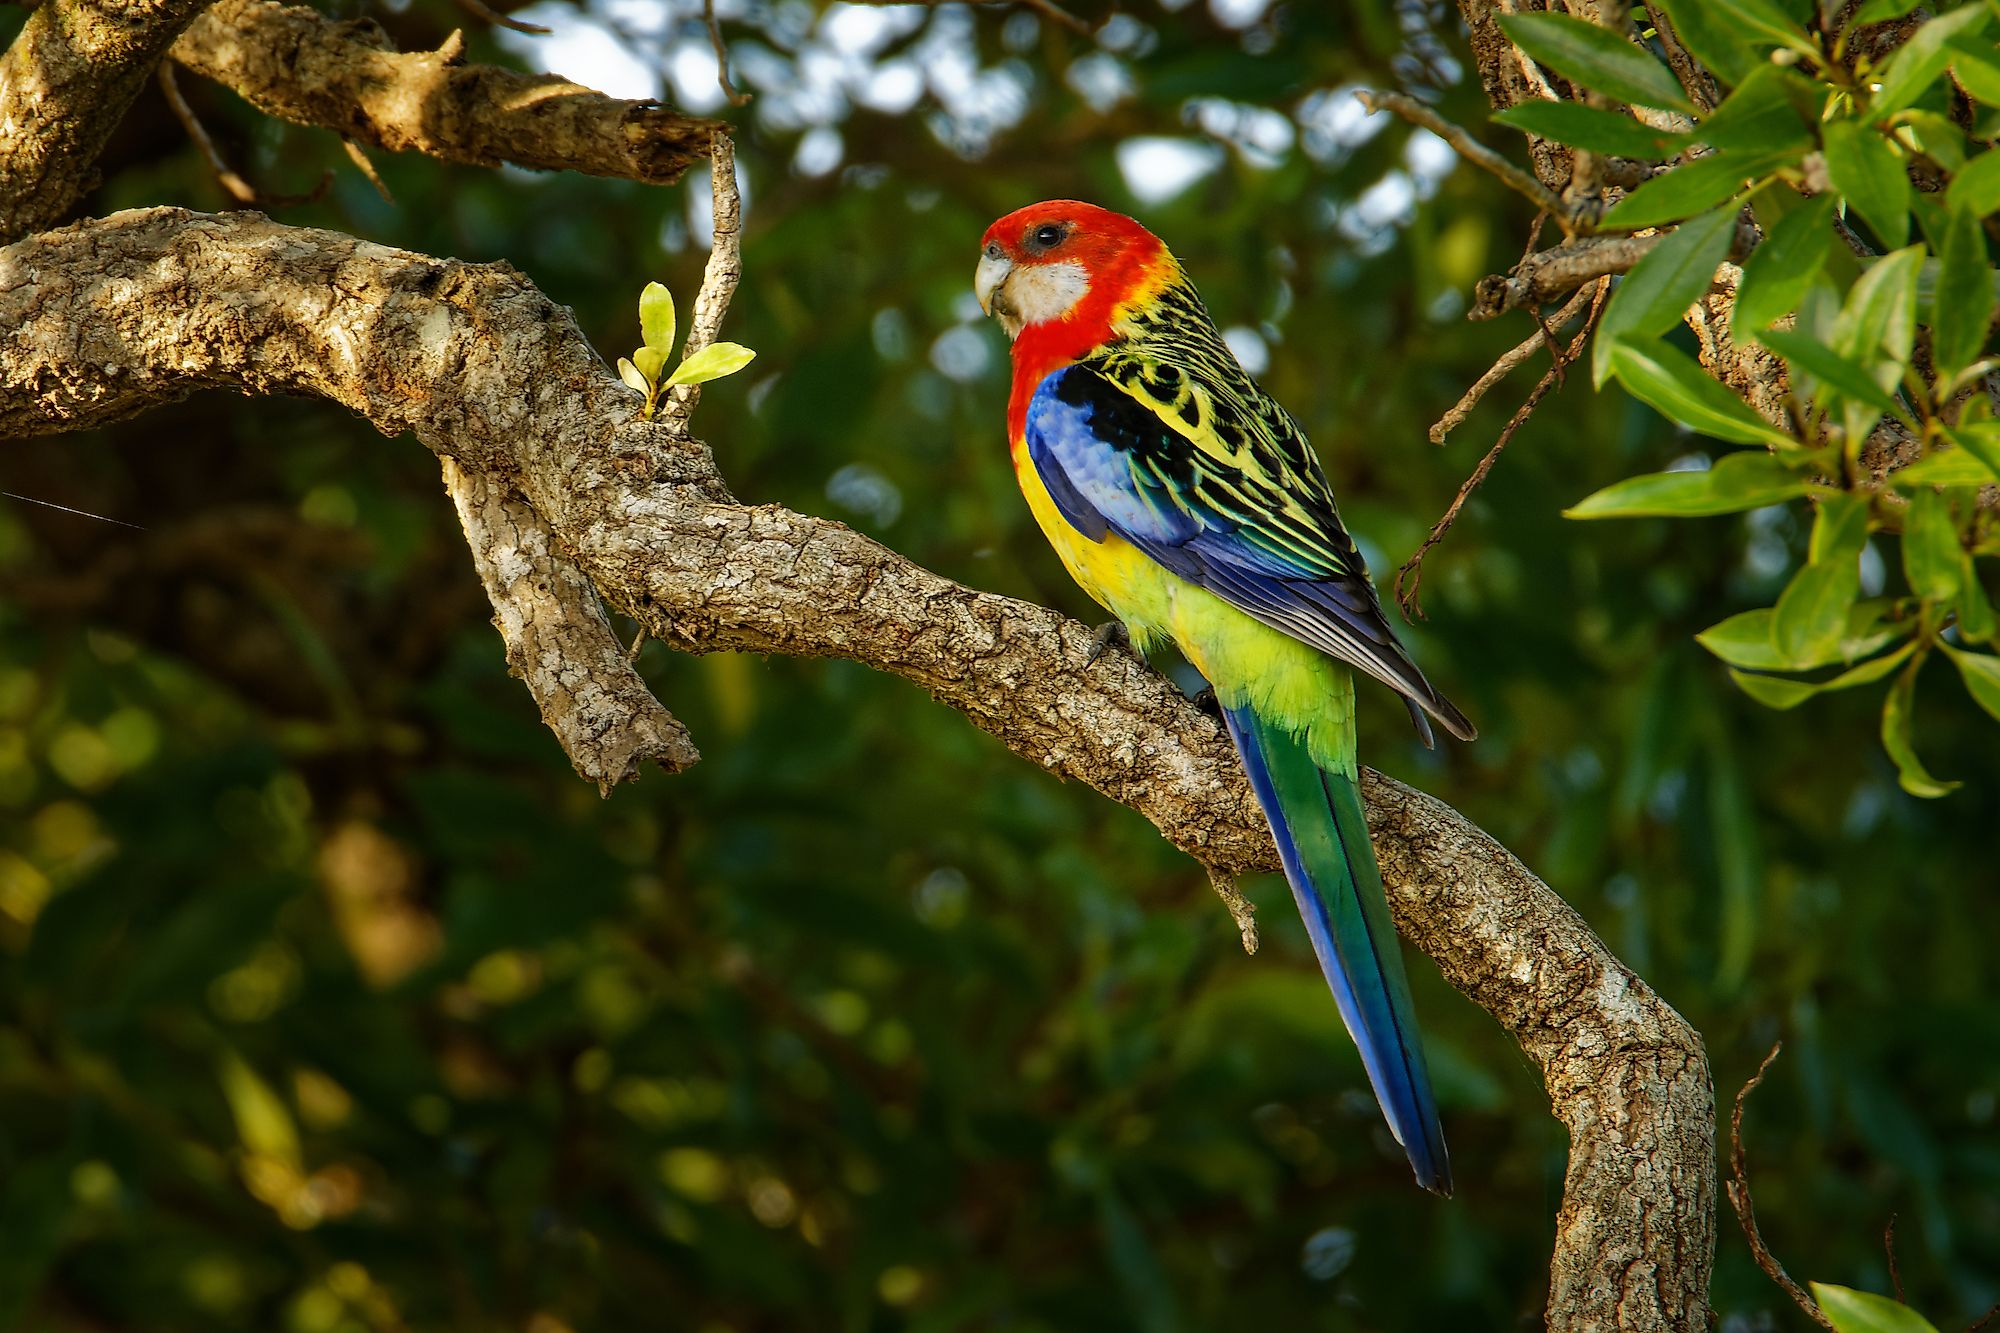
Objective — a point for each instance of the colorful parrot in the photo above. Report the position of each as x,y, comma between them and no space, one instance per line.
1188,503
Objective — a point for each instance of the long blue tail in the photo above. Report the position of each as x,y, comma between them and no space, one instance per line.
1323,840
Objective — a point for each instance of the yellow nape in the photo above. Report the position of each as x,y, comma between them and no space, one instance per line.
1249,663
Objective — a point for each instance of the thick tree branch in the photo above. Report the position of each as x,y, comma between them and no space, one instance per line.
102,320
298,65
65,83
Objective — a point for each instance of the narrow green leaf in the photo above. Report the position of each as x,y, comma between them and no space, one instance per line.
1980,439
1976,620
1840,528
1690,188
712,363
1881,11
1879,318
1931,551
1714,41
1783,692
1963,305
1920,60
1811,616
1749,639
1977,69
628,372
1762,22
1935,137
1671,277
1597,58
1975,187
656,318
1779,270
1609,132
1867,171
1667,380
1864,1312
1763,115
650,361
1833,371
1947,467
1738,482
1917,781
1981,674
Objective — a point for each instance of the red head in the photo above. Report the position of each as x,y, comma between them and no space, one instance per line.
1054,273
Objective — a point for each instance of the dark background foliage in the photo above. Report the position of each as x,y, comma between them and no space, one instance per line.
330,999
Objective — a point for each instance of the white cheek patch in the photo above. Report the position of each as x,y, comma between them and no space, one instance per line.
1043,292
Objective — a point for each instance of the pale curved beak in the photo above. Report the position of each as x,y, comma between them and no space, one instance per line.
990,277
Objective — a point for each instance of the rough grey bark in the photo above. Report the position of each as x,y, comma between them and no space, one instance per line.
65,83
103,320
298,65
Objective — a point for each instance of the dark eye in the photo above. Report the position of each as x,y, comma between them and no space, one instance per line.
1048,236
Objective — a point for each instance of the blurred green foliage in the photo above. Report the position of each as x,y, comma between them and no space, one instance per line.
330,999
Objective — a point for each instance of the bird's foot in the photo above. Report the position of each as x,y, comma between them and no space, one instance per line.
1110,632
1208,703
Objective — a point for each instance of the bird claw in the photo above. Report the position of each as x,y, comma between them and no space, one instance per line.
1110,632
1208,703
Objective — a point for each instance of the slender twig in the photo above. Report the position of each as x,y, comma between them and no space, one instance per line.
1469,148
481,11
1508,363
359,157
719,278
721,56
1412,570
1240,907
1984,1319
1889,1249
1738,1187
233,184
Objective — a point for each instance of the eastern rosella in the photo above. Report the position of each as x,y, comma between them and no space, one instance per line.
1188,502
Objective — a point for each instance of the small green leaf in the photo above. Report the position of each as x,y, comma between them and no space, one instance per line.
1935,137
1667,380
1672,276
1782,692
1947,467
1975,187
1980,439
1976,620
1881,11
1917,781
1963,306
1609,132
1715,41
1931,551
1597,58
1867,171
656,318
1864,1312
1749,639
1879,317
1832,370
1981,673
1977,69
1761,116
650,361
634,381
1692,187
1779,271
1762,22
712,363
1738,482
1840,528
1920,60
1811,615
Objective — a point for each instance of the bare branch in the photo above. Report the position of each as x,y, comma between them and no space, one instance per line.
1746,1209
486,13
298,65
721,56
1473,151
233,184
65,83
1507,364
558,641
1548,274
110,317
721,274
